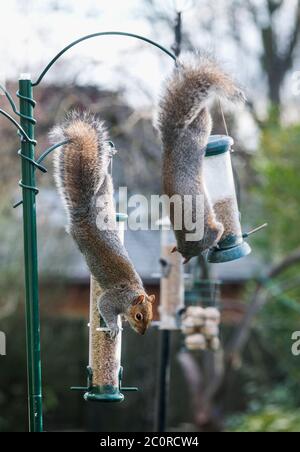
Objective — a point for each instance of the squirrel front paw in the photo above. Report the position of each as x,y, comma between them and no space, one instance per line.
114,330
109,314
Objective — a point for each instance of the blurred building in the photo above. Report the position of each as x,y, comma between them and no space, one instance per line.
61,262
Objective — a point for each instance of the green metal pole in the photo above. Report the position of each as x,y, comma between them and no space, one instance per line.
30,255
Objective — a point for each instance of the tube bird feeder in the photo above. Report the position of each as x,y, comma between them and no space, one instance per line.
104,355
172,279
220,184
105,367
105,372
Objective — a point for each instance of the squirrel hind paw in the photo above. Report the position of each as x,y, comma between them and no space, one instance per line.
239,96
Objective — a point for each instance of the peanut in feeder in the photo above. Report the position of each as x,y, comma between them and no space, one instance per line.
195,342
201,319
201,332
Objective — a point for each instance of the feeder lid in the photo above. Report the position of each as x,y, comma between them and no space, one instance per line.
218,144
220,256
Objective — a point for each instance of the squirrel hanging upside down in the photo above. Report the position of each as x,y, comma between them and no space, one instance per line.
185,125
83,179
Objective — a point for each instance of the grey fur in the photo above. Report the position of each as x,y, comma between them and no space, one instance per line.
82,177
185,125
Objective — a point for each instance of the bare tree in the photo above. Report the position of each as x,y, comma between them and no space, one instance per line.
277,55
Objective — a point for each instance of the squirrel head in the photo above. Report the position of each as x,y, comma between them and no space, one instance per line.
140,313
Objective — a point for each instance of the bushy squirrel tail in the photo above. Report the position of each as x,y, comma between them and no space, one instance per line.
187,91
82,164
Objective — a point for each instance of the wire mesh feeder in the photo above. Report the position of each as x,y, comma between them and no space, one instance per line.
201,317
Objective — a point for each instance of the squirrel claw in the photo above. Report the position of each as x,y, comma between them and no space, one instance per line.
186,260
174,250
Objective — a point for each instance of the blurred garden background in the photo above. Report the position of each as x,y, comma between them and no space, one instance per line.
252,383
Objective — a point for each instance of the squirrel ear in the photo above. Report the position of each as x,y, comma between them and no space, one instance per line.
152,299
139,300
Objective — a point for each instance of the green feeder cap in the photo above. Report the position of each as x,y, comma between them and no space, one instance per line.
108,394
218,144
219,255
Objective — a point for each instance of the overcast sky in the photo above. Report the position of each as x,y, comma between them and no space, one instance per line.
33,31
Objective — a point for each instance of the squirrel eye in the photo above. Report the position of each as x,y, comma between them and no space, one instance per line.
139,316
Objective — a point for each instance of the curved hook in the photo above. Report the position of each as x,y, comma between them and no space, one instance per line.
37,163
10,99
51,149
94,35
17,125
62,143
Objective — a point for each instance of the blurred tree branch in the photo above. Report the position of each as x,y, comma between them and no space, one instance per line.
275,61
202,395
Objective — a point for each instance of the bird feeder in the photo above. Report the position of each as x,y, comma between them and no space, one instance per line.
172,279
201,318
204,293
104,371
220,185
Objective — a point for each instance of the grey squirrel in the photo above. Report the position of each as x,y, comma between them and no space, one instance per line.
83,179
185,125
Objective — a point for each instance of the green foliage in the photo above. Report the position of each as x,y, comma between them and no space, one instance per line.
269,420
278,193
271,411
270,374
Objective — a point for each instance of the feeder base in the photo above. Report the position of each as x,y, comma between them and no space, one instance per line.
219,255
105,394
